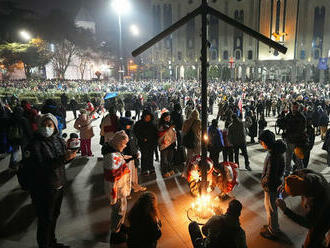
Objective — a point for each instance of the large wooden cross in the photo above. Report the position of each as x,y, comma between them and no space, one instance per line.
204,9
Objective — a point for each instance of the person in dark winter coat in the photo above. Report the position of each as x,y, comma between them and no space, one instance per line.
253,129
144,219
295,134
271,179
21,134
146,134
215,141
237,137
131,149
73,105
310,144
45,158
315,198
324,120
262,124
177,120
222,231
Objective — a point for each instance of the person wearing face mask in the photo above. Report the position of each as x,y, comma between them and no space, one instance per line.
45,158
117,183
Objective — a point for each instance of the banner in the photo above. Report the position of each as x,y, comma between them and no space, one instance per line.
323,63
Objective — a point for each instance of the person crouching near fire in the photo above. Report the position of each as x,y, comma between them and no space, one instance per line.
315,199
117,184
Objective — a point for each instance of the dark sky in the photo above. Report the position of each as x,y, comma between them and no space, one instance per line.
105,18
44,6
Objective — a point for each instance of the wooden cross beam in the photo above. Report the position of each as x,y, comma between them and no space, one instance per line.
204,10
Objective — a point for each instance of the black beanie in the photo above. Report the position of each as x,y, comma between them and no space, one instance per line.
268,137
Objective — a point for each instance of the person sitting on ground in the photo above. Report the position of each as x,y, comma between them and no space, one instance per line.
144,230
315,198
221,231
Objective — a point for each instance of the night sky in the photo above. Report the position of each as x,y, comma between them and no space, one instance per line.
105,18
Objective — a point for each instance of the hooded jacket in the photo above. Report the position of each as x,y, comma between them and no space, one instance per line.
274,165
84,125
44,158
146,132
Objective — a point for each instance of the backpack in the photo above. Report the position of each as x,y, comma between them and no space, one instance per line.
60,123
189,139
15,134
26,170
24,177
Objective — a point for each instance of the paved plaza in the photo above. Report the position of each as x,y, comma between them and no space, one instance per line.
84,220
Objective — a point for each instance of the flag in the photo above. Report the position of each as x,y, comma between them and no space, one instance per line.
240,105
323,63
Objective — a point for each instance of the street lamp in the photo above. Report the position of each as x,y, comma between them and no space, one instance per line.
134,30
25,35
121,7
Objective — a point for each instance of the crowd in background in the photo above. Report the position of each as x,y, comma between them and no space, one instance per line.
162,120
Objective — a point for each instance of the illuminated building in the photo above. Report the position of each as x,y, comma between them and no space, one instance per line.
298,24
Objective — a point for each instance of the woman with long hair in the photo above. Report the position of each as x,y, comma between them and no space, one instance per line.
144,230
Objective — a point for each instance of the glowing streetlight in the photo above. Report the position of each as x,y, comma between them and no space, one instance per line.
121,7
134,30
25,35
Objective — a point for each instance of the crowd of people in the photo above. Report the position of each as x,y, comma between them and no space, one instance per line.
160,119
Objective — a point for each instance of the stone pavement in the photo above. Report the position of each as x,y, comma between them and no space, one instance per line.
84,220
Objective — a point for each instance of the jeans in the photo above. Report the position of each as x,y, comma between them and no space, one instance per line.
288,157
47,203
14,157
147,161
166,159
245,154
271,211
196,235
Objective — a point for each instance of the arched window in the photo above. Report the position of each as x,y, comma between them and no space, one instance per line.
225,55
302,54
214,55
316,53
238,54
250,54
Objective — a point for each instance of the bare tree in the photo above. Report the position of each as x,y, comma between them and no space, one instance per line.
84,58
64,51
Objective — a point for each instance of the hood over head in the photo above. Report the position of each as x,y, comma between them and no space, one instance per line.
51,117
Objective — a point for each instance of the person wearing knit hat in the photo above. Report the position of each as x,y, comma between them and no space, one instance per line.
271,179
117,183
315,199
44,158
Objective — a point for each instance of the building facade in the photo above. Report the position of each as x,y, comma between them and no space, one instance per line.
299,25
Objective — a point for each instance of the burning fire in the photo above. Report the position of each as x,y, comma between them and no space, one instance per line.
203,207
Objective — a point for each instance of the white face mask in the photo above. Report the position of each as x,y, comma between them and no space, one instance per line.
46,131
